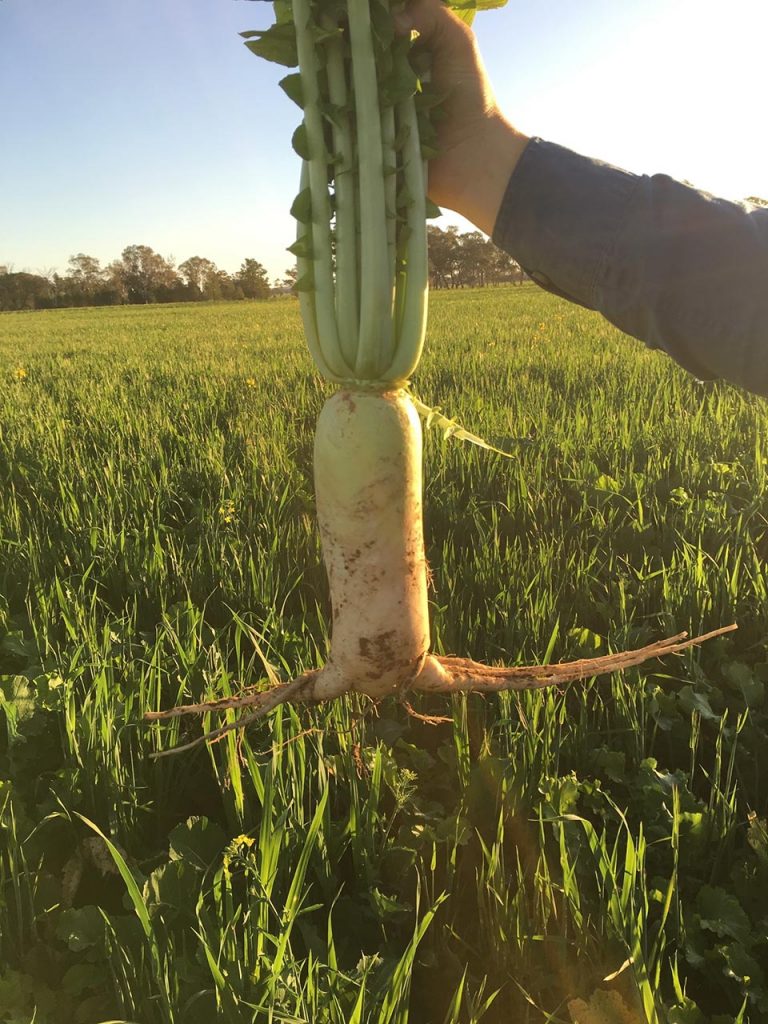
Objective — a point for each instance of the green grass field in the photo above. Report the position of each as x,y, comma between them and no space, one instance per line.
351,864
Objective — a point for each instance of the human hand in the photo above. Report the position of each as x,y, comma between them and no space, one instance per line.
479,149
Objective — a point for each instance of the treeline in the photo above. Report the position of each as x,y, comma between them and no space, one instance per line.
140,275
468,261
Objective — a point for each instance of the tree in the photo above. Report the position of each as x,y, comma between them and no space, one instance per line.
116,281
252,278
220,285
288,281
473,259
86,272
468,260
83,285
147,276
504,269
443,255
26,291
197,273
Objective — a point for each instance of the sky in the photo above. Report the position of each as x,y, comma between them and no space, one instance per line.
148,122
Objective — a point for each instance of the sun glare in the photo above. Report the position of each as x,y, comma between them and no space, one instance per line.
672,87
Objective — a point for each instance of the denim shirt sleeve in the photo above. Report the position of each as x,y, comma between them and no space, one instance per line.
679,269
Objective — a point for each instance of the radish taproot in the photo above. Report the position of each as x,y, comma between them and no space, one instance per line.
361,253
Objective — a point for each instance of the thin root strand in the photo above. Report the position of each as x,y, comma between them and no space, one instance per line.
280,694
247,699
426,719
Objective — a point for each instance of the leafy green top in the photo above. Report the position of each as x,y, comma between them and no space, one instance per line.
365,137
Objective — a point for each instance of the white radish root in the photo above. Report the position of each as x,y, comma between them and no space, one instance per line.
369,508
368,484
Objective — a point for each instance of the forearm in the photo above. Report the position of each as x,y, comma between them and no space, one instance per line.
493,154
674,267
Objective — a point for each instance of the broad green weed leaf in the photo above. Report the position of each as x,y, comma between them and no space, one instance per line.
168,887
15,996
14,645
692,700
743,967
721,913
743,680
81,928
198,841
17,697
686,1012
80,978
612,764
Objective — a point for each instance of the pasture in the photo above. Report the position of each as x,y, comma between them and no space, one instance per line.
353,863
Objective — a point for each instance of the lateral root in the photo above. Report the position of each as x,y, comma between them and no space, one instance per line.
438,675
462,675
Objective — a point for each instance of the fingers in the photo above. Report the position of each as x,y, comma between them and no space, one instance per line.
438,27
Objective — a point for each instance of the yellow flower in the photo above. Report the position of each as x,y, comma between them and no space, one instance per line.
242,840
227,511
251,382
20,373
